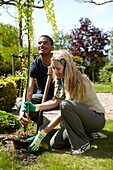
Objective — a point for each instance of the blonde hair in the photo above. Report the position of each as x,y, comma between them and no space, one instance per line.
74,80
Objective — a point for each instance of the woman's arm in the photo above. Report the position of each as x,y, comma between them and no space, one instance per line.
50,104
53,123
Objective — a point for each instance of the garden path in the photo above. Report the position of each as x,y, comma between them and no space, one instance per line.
106,100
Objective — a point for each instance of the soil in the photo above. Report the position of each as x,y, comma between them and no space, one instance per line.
20,144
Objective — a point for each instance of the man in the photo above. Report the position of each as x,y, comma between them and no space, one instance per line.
38,72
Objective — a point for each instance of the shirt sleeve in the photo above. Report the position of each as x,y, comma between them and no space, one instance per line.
33,69
59,90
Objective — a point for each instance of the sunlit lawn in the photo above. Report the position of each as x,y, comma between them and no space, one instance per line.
99,157
102,87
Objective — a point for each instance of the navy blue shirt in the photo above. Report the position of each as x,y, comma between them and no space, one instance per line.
39,71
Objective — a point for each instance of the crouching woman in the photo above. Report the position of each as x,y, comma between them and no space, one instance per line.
81,112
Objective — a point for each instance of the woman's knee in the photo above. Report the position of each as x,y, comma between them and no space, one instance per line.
64,105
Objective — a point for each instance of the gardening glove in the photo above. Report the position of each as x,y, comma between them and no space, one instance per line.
31,106
31,138
36,142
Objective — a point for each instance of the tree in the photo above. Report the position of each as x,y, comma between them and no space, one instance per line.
8,46
111,47
25,13
94,2
9,35
106,72
88,42
61,40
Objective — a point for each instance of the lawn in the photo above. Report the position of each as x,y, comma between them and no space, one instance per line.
99,157
102,87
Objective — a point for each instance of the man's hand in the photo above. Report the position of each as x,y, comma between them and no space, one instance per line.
36,142
30,106
23,121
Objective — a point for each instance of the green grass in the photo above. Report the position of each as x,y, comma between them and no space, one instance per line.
102,87
100,156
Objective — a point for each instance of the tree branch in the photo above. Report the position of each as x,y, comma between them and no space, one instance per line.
14,3
96,3
93,2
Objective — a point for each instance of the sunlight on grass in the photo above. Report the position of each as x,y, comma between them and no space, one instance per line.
102,88
99,157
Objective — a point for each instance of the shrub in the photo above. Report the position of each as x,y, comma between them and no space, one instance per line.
8,94
105,72
20,83
8,122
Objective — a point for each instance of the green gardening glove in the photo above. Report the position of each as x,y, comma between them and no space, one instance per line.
29,105
36,142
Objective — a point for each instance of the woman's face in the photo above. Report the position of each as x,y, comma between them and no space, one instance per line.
58,69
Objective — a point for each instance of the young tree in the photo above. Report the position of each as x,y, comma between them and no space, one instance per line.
88,42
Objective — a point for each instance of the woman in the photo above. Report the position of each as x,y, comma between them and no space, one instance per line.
81,111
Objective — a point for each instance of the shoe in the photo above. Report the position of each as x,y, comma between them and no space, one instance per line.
82,149
97,135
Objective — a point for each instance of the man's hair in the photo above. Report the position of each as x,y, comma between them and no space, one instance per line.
50,39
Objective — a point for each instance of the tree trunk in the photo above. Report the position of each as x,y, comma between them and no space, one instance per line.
93,73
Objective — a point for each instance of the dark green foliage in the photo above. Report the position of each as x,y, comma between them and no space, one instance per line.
8,122
8,94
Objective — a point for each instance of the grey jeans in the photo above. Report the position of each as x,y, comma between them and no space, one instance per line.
79,122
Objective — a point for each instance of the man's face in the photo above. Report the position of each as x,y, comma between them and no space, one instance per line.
44,46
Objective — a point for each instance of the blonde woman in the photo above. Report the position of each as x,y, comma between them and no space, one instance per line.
81,112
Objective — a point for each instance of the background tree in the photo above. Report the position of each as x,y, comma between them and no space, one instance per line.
89,42
111,47
8,46
106,71
61,40
25,14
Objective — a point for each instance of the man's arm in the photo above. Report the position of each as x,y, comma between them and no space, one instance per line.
24,121
30,88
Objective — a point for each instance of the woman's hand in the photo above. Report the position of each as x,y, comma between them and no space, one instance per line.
37,141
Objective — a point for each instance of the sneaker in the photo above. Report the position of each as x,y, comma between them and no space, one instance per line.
97,135
82,149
